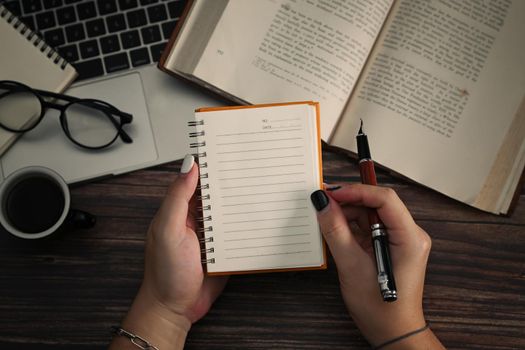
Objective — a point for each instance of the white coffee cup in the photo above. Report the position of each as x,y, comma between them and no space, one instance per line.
35,202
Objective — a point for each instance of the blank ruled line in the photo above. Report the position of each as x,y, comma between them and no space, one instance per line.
268,246
260,193
277,201
285,127
284,120
261,149
285,218
257,176
260,255
263,158
265,237
263,167
262,132
267,140
263,211
260,185
265,228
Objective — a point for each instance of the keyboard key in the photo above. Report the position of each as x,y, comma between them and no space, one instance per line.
157,13
175,8
14,7
136,18
139,57
86,10
107,6
127,4
116,23
49,4
71,1
31,6
95,27
69,52
130,39
29,21
89,49
89,69
55,37
167,28
75,32
45,20
116,62
109,44
147,2
66,15
151,34
156,51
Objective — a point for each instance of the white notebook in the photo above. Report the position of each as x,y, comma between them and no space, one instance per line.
26,58
258,167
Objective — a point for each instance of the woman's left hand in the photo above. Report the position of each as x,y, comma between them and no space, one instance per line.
175,291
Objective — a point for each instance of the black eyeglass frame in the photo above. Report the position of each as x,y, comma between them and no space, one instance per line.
107,109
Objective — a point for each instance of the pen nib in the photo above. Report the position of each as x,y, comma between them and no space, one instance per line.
361,128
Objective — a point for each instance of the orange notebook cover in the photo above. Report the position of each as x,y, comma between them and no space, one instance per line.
258,166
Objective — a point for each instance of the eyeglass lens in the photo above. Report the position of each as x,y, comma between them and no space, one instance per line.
20,109
89,126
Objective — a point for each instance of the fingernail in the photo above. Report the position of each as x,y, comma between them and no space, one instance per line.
333,188
319,200
187,164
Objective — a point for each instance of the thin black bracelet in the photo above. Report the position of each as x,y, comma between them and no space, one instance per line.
404,336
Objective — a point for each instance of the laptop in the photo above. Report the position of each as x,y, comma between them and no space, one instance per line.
115,46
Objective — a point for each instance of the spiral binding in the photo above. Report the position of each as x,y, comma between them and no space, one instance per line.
205,239
205,230
204,218
32,37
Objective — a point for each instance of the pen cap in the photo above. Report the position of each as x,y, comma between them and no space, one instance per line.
363,151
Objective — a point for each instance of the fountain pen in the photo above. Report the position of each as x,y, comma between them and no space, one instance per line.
385,275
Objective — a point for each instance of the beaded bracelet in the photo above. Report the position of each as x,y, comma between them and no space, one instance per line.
404,336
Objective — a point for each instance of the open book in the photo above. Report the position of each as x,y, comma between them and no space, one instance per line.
439,84
258,167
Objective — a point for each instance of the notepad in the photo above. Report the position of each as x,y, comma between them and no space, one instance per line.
258,167
26,58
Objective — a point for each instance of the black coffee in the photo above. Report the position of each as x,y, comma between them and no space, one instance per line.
34,204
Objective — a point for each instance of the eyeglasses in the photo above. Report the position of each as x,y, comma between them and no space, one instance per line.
88,123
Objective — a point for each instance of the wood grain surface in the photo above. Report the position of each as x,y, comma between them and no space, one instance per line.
65,293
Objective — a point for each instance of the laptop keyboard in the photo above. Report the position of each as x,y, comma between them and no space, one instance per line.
100,37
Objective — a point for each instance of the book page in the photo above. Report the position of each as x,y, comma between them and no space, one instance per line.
441,90
262,164
288,50
196,29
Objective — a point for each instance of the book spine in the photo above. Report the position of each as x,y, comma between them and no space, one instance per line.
205,230
32,37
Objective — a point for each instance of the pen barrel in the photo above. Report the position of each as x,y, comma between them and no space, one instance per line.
385,274
368,177
367,172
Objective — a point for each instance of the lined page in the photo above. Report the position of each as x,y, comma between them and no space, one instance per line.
262,164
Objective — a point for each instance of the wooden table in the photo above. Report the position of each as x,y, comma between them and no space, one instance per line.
66,293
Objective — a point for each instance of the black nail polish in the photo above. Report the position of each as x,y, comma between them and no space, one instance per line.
319,199
333,188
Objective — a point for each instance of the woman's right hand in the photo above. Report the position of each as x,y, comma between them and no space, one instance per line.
352,251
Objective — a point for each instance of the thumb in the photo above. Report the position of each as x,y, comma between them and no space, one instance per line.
185,184
174,209
345,249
